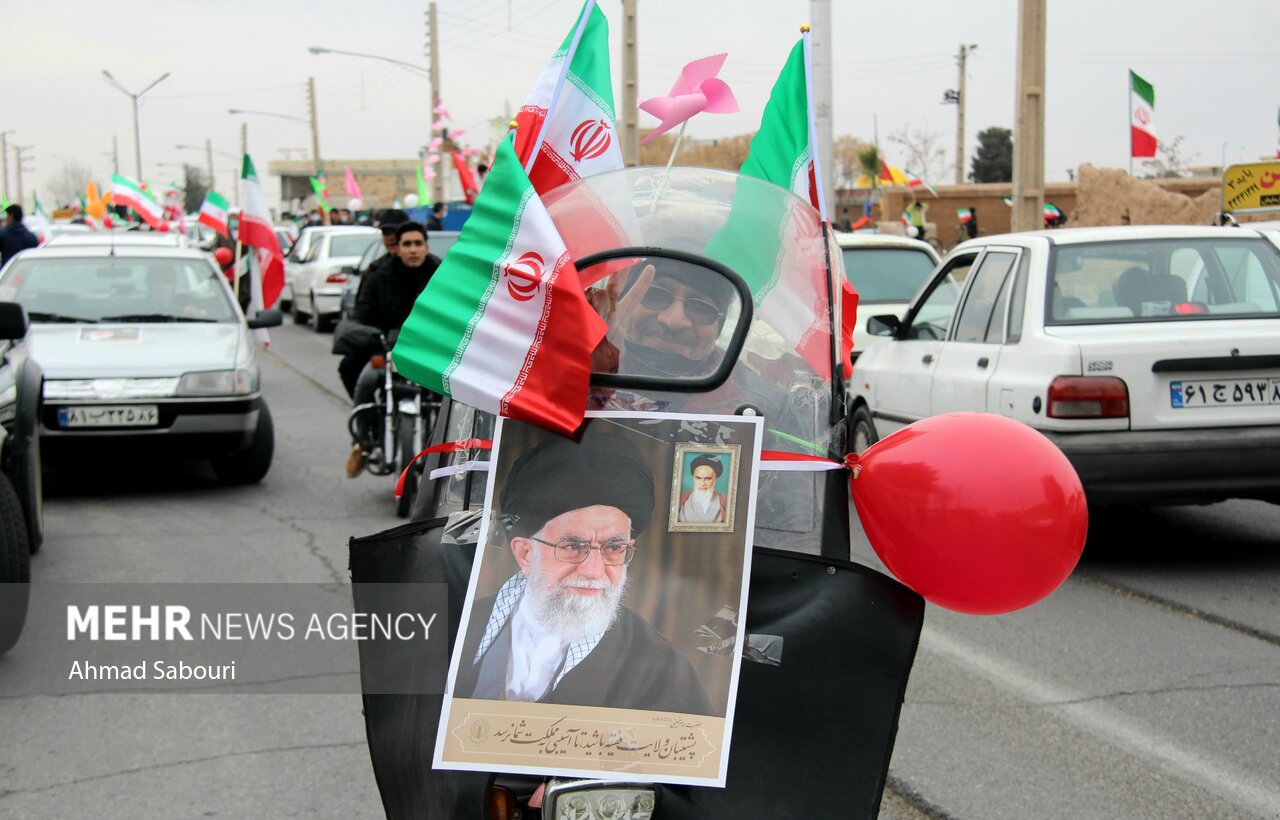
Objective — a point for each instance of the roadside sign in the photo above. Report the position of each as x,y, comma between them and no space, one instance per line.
1251,187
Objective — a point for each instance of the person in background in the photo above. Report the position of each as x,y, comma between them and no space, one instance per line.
350,365
971,227
14,236
435,222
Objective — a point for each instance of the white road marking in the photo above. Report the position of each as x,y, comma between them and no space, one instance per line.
1221,777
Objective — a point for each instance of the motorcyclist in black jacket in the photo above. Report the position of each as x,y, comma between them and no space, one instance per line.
386,298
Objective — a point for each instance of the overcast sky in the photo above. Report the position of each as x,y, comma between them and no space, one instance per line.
1215,68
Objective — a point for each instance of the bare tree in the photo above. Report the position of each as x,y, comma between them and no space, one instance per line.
1168,161
920,152
69,182
194,186
845,156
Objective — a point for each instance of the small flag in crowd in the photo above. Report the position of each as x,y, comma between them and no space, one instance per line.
318,187
1142,109
266,263
214,213
349,179
125,191
504,325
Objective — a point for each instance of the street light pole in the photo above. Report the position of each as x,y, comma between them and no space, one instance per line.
315,128
137,139
1028,134
433,44
18,159
4,158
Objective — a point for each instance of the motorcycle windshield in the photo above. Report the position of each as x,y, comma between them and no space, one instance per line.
649,243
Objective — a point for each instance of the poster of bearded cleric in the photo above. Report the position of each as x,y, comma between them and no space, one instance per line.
584,647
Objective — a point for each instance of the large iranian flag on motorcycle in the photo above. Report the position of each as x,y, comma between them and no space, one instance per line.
568,117
504,325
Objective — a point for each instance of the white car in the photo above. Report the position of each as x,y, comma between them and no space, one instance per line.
887,271
318,281
119,239
144,346
1149,355
297,254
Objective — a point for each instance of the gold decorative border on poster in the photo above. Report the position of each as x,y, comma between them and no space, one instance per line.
501,734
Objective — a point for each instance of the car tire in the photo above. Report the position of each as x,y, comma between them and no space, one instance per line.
404,443
15,566
863,434
295,312
319,323
250,465
34,492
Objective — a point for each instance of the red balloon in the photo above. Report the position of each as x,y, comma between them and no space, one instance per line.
975,512
163,228
223,255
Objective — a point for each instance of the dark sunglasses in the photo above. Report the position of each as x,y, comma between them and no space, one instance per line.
699,311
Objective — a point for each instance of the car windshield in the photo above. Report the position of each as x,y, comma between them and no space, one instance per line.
350,244
886,274
119,288
1164,280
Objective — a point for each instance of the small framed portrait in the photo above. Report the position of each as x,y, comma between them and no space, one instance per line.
704,487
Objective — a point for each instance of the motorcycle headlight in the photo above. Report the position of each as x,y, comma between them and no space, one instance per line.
219,382
590,799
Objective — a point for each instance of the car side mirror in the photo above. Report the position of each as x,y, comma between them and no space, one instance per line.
265,318
13,321
348,270
885,324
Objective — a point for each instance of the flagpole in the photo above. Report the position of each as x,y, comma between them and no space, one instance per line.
564,73
813,126
1130,96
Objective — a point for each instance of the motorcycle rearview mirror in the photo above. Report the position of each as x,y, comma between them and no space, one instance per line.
13,321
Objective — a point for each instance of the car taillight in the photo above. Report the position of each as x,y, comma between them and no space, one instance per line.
336,278
1190,309
1088,397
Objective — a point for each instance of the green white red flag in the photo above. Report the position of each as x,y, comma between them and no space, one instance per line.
785,152
566,128
125,191
504,325
1142,109
255,230
214,213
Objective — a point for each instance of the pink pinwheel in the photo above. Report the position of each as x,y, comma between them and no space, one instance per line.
696,89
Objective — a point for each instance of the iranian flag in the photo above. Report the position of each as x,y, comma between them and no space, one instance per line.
255,230
1142,109
214,213
784,152
125,191
504,325
566,128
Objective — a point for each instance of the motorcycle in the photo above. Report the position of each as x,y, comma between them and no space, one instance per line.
814,722
404,414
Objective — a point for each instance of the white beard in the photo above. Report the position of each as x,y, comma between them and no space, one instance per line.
567,615
702,499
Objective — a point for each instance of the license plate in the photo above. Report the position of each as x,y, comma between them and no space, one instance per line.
1224,392
122,415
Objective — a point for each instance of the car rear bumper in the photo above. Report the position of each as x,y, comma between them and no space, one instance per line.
328,304
1175,466
198,427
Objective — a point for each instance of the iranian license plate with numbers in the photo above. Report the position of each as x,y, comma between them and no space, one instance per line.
122,415
1224,392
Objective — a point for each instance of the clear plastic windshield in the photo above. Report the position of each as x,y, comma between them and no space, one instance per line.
673,314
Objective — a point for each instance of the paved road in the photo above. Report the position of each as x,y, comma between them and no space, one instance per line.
1148,686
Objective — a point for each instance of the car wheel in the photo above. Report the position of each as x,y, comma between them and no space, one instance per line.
15,566
33,495
864,430
295,311
250,465
319,323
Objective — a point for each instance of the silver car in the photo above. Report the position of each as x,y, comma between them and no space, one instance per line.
144,345
317,282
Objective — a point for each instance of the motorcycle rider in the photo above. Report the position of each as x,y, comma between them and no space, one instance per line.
385,301
350,365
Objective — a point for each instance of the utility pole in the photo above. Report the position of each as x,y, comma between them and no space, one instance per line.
208,154
433,65
115,154
1028,133
18,159
315,128
4,159
960,101
630,88
820,54
244,149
